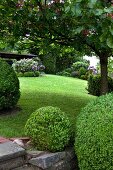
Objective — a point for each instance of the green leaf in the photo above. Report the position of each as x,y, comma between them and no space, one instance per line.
1,6
108,10
111,30
92,3
77,9
79,29
67,9
110,41
103,37
98,12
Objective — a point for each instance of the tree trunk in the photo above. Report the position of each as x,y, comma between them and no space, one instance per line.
104,74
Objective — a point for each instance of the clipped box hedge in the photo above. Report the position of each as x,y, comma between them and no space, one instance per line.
94,135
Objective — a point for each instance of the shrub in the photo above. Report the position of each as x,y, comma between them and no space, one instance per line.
75,74
69,70
94,135
20,74
29,74
94,82
37,73
77,65
9,86
49,61
27,65
82,71
64,73
83,77
49,129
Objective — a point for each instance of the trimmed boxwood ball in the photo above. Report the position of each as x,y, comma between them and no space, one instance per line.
49,129
9,86
94,135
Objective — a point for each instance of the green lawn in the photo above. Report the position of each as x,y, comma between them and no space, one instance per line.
67,93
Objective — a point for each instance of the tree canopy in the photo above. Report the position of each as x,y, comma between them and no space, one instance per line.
86,25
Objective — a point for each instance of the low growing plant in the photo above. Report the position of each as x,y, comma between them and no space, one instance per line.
49,129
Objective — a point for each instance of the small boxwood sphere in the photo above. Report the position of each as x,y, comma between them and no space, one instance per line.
9,86
49,129
94,135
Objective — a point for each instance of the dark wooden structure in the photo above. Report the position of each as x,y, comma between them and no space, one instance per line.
16,56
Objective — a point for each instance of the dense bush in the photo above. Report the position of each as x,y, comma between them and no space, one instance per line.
94,82
82,71
9,86
65,61
64,73
77,65
49,129
84,77
49,62
94,135
78,69
20,74
75,74
27,65
37,73
29,74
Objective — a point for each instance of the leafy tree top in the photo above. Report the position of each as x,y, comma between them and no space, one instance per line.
89,22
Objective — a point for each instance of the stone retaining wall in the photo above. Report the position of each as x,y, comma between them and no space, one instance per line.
53,161
14,157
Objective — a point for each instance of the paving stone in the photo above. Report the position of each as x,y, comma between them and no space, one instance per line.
35,153
27,167
47,160
10,164
9,150
64,165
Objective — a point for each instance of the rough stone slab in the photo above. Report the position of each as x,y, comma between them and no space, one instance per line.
62,165
34,154
47,160
27,167
12,163
10,150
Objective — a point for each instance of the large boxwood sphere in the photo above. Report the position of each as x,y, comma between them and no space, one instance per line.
49,129
94,135
9,86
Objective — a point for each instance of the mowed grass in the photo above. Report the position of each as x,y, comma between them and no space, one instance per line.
49,90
